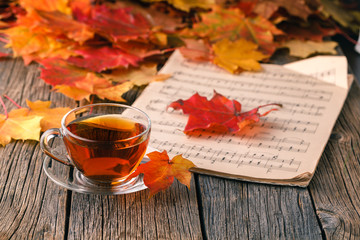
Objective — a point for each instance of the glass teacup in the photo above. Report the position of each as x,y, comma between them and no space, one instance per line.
105,142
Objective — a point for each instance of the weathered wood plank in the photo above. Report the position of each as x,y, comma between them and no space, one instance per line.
172,214
32,207
238,210
335,188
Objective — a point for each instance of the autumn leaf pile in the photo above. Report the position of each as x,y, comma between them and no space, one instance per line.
105,49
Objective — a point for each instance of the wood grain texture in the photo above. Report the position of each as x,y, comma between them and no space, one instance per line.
32,207
172,214
336,185
239,210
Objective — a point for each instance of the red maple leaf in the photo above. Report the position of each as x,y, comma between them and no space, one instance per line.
100,59
59,72
219,114
118,24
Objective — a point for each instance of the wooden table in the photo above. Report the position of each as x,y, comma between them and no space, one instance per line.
33,207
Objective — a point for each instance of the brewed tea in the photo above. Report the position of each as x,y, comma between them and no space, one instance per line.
111,147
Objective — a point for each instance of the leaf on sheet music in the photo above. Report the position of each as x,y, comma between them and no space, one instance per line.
220,114
160,171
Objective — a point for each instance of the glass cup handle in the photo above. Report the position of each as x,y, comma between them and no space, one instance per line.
46,148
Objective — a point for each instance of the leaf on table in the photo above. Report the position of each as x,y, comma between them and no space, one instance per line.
232,24
3,24
304,49
59,23
32,45
167,19
219,114
51,117
139,49
59,72
73,92
47,5
27,123
81,5
79,83
103,58
116,24
187,5
19,128
160,171
237,56
113,93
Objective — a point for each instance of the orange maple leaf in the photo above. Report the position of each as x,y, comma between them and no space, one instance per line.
160,171
47,5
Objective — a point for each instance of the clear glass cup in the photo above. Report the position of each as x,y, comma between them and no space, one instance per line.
104,142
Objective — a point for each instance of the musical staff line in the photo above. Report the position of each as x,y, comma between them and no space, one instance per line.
259,140
261,88
249,103
284,76
199,154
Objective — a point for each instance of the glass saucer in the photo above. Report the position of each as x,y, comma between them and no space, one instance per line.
75,181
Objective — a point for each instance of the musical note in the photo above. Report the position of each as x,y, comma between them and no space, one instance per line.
282,145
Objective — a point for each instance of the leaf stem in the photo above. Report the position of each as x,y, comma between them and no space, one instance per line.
17,105
4,40
4,107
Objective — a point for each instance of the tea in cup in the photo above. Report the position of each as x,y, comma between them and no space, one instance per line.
105,142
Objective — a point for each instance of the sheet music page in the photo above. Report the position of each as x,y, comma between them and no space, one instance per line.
322,67
283,148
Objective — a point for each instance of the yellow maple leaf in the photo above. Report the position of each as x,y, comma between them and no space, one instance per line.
237,56
51,117
114,93
19,128
47,5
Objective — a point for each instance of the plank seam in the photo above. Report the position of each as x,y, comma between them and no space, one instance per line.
200,207
67,214
316,214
